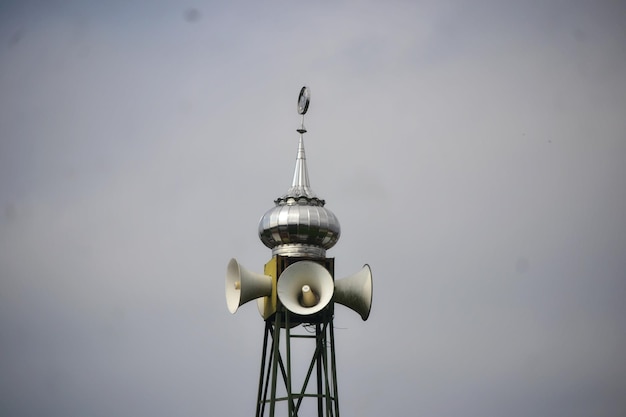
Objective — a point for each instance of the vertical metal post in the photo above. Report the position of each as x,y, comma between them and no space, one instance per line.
333,365
275,363
329,409
288,349
320,402
263,355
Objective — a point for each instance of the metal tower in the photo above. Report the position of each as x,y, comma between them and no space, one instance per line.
296,296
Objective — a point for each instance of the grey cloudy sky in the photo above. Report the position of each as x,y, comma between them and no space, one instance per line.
472,151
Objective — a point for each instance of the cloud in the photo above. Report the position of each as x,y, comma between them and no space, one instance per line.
459,147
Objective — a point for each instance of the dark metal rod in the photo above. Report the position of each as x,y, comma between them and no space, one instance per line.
314,360
274,363
329,410
283,371
263,355
318,352
288,379
269,369
333,364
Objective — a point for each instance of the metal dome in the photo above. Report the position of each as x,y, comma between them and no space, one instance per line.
299,224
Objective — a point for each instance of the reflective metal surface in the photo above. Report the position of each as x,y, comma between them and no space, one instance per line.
304,98
299,230
300,186
299,224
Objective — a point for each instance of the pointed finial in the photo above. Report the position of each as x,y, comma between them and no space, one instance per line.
300,185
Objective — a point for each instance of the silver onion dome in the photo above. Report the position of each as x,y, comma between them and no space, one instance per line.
299,224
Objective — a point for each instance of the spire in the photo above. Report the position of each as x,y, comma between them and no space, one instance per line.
300,186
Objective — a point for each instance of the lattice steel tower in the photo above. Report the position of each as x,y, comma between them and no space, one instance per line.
296,297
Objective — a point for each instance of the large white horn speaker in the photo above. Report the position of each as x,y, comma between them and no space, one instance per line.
243,285
305,287
355,292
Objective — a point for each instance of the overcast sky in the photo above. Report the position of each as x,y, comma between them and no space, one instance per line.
473,152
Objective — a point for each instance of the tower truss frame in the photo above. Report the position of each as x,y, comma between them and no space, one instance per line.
322,361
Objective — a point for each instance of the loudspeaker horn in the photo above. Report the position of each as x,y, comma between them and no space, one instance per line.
355,292
243,285
305,287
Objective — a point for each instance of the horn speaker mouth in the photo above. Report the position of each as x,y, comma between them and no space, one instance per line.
243,285
305,287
